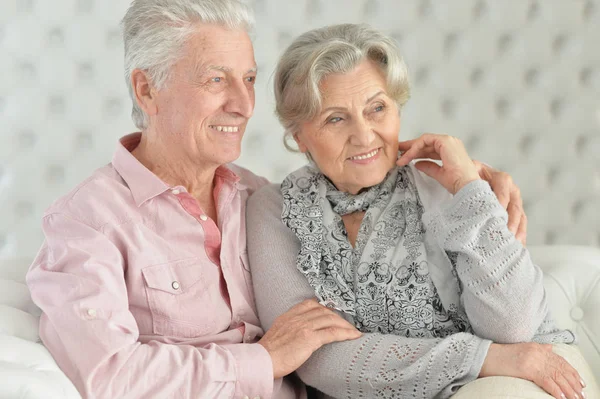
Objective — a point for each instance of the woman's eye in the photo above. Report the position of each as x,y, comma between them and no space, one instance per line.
335,119
379,108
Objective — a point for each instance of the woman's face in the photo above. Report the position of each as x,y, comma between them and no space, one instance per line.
354,138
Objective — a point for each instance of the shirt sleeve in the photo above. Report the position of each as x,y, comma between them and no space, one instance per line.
502,289
375,365
78,282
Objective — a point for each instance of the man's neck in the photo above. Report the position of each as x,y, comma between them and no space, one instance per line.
176,169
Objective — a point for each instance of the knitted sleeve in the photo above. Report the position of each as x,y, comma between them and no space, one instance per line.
373,366
502,289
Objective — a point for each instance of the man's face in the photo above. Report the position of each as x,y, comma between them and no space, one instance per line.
203,110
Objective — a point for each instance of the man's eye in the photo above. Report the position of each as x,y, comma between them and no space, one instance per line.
216,80
251,79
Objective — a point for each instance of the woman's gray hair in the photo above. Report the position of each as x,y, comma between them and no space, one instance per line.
332,49
154,31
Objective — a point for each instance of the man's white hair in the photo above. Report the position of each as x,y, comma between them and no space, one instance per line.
154,32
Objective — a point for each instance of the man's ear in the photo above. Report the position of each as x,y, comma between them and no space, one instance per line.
145,93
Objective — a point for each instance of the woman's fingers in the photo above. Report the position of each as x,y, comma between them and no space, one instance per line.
431,169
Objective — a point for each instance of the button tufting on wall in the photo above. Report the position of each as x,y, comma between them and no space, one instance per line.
480,10
560,43
476,76
532,77
55,174
26,139
534,11
448,107
502,108
84,141
85,6
556,108
550,237
56,37
527,143
23,209
577,313
588,78
56,105
422,76
313,8
85,71
450,43
27,70
112,107
113,38
25,6
589,10
504,44
371,8
425,9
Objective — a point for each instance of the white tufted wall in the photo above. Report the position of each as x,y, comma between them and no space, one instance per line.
517,80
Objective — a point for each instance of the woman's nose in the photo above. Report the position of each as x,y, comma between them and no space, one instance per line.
362,135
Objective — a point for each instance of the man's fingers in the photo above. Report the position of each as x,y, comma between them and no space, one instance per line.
501,186
335,334
522,230
514,217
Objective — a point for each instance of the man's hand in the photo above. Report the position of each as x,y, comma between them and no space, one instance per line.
303,329
509,197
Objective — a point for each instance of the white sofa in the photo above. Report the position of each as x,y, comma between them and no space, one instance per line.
572,280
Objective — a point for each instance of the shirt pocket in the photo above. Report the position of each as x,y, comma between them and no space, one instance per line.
179,299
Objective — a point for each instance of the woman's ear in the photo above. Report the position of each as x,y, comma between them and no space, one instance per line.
144,91
301,146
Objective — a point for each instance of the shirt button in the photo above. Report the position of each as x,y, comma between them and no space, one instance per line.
257,397
91,312
175,191
175,285
246,397
204,218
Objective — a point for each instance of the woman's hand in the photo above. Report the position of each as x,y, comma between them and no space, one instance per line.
457,168
537,363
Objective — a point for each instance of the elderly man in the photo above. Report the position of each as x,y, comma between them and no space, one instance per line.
143,278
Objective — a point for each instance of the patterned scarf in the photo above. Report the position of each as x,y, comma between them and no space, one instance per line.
384,281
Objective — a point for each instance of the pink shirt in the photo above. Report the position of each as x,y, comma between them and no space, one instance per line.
144,296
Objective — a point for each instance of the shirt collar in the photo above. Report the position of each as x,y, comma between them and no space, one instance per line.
145,185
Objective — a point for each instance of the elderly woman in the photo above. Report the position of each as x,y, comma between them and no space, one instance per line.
417,256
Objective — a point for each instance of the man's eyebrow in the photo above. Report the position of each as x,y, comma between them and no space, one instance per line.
227,69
